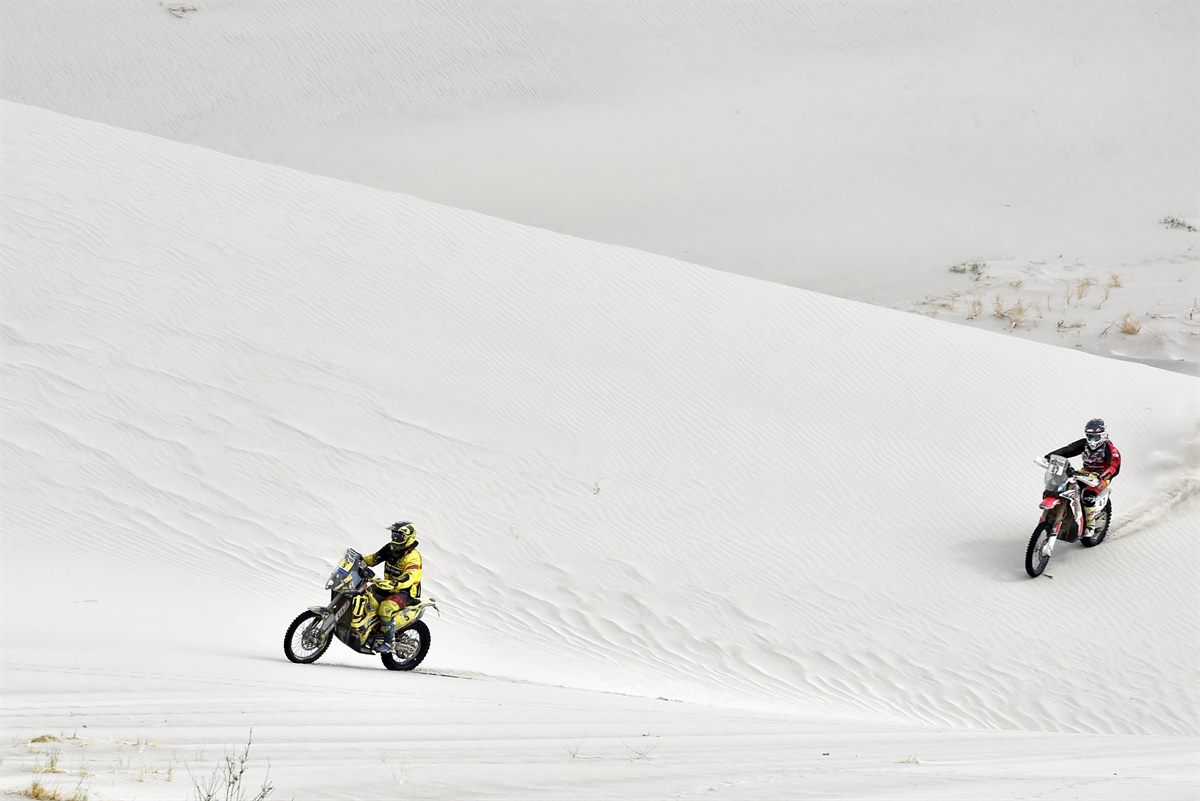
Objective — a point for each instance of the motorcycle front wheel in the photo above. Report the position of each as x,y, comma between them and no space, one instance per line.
411,646
302,643
1101,528
1035,560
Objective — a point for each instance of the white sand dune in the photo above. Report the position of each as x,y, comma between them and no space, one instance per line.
804,516
860,149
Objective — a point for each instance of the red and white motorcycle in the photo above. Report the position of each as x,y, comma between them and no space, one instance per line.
1063,516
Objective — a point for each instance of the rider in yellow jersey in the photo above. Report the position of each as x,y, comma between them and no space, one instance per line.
400,587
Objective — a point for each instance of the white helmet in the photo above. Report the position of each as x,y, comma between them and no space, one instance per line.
1096,434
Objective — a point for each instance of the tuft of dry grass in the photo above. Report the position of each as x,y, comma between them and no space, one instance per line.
45,738
974,307
1114,280
1081,289
1129,326
1015,314
51,765
948,303
641,751
41,792
226,781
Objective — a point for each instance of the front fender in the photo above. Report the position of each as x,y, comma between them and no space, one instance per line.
1051,502
328,615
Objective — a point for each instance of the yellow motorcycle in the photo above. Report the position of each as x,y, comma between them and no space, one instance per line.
350,616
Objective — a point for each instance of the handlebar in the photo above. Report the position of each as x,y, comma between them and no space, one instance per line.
1082,478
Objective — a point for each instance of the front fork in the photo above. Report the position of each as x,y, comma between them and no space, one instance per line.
330,615
1059,509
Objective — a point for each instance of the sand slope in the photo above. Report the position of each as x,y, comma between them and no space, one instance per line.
633,474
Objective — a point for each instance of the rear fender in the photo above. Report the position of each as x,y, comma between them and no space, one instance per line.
419,608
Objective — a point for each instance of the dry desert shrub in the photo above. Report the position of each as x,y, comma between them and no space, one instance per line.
1129,326
51,764
1015,314
974,268
226,782
1173,222
1126,325
41,792
947,303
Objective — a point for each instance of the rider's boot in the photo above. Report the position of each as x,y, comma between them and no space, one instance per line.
388,630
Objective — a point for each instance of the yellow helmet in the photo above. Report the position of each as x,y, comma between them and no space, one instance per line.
404,534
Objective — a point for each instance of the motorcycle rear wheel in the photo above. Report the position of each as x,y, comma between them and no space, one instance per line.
1035,561
412,645
1102,521
299,643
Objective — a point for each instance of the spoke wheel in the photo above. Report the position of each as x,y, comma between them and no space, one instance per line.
302,643
412,644
1035,560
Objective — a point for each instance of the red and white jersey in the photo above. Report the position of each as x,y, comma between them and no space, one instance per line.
1104,461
